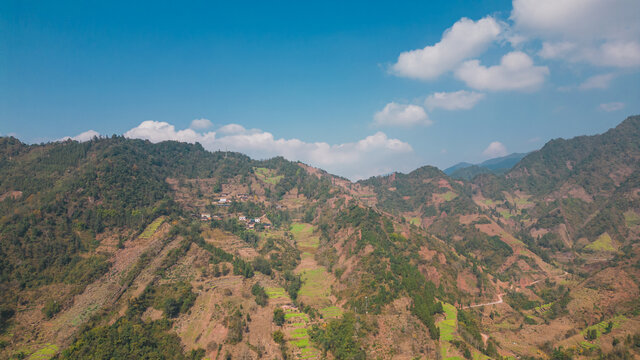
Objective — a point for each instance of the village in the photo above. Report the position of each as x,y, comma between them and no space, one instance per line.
251,223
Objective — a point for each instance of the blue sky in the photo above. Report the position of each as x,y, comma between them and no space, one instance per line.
357,88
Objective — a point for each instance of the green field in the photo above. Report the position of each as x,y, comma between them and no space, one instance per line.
297,316
631,218
45,353
449,195
602,243
331,312
267,175
314,283
275,292
543,308
602,326
449,324
520,202
505,214
301,230
151,229
415,221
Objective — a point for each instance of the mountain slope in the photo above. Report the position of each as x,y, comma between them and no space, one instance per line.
123,248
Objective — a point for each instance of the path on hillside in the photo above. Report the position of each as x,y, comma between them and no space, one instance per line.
500,300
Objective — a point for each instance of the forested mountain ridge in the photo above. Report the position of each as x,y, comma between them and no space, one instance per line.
122,248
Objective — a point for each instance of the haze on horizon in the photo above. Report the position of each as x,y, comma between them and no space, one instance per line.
357,89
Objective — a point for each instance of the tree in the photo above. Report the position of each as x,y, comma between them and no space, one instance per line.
278,316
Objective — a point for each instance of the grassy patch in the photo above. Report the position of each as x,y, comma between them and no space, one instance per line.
299,333
302,343
301,230
303,233
297,316
543,308
314,283
489,202
602,243
505,214
449,324
45,353
588,346
415,221
268,176
448,196
631,218
275,292
331,312
602,326
151,228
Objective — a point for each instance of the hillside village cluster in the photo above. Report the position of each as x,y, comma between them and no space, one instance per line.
250,223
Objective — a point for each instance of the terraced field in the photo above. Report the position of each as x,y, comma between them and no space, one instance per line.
151,228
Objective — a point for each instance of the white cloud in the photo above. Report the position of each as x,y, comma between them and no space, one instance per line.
395,114
458,100
495,149
601,81
612,106
577,19
82,137
599,32
200,124
464,40
232,129
373,155
515,72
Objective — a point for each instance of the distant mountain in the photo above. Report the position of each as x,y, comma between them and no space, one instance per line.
499,165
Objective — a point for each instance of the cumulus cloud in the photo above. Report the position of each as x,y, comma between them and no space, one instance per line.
464,40
82,137
612,106
495,149
395,114
599,32
373,155
601,81
200,124
458,100
515,72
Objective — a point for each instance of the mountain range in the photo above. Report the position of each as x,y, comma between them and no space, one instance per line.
120,248
499,165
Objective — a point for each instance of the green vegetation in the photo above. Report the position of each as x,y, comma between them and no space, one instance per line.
296,315
631,218
314,283
339,337
603,327
151,228
51,308
45,353
449,324
278,316
268,176
260,294
172,298
602,243
331,312
275,292
129,339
